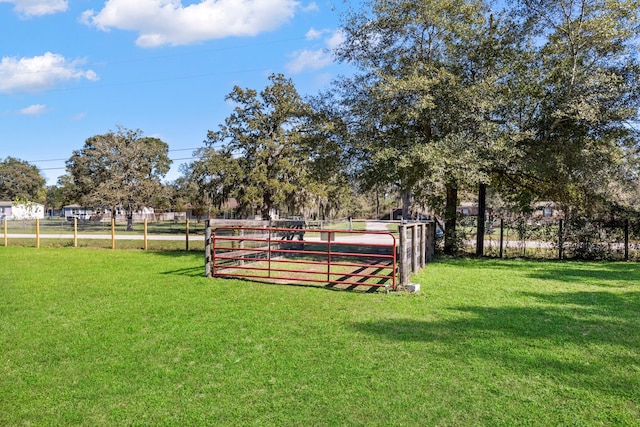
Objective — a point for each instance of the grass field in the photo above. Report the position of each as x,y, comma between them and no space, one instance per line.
100,337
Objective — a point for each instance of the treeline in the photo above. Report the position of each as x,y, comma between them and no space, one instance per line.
507,103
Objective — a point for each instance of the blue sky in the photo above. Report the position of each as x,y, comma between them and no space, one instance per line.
71,69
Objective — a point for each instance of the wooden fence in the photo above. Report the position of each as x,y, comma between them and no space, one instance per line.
416,248
32,232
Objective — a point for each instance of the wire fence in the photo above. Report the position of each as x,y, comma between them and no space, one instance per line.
506,237
59,232
578,238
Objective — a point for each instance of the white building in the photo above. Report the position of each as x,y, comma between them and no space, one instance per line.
29,210
76,211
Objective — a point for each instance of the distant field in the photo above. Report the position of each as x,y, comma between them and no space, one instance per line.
100,337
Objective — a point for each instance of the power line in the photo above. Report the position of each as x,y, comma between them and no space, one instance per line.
174,78
61,168
64,160
47,160
159,80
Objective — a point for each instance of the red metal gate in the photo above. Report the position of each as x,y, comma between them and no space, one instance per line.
335,257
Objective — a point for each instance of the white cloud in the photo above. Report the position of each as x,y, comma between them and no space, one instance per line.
33,110
309,60
29,8
313,59
336,39
40,72
311,7
314,34
78,116
161,22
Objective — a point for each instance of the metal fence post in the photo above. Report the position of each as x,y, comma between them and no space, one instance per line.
501,236
560,240
329,257
241,246
626,239
269,253
186,241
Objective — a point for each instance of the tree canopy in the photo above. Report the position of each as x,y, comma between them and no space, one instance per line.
20,180
267,154
536,100
425,105
578,113
120,169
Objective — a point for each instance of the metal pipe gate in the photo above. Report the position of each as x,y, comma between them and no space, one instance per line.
354,258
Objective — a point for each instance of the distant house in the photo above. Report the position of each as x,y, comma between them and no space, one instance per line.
471,209
76,211
547,210
5,209
139,215
12,210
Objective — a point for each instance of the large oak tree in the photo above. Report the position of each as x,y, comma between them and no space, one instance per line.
269,152
578,115
20,180
120,169
424,108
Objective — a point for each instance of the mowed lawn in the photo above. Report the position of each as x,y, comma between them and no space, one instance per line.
98,337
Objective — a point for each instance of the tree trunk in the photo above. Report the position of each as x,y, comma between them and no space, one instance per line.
482,207
129,219
406,202
450,218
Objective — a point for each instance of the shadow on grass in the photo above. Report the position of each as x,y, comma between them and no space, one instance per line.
579,317
589,340
329,286
191,272
601,274
625,306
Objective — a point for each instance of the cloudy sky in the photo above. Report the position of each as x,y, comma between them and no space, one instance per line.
71,69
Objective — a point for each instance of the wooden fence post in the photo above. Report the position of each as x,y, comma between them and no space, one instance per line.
423,244
6,236
37,233
207,249
402,259
415,249
431,241
146,229
113,233
75,232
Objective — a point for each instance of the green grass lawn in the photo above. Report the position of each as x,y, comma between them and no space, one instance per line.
100,337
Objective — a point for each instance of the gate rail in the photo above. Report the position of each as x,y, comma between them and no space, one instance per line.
354,258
